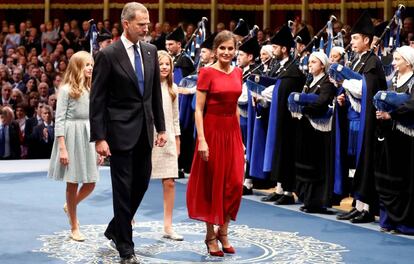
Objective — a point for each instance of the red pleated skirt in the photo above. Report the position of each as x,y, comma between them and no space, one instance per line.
215,187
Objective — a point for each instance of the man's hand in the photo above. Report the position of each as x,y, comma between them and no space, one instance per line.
102,148
383,115
161,139
45,133
341,99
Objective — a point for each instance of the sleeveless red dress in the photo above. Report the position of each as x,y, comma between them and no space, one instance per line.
215,187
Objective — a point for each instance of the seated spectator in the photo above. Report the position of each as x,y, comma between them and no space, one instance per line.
21,118
6,99
43,135
31,85
52,102
50,69
4,74
62,66
32,102
43,89
56,82
9,135
18,80
69,53
12,39
17,97
45,79
49,38
10,64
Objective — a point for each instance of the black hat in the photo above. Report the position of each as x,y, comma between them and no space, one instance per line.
380,28
283,38
177,35
242,29
251,46
303,36
364,25
104,35
208,42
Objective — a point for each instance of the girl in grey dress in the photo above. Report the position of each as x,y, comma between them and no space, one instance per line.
73,158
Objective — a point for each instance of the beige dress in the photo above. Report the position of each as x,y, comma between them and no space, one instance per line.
165,159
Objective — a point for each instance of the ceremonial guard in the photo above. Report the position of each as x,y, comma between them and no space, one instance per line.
361,84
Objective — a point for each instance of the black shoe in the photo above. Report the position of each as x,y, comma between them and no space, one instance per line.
348,216
363,217
315,210
131,259
109,236
273,197
247,191
285,200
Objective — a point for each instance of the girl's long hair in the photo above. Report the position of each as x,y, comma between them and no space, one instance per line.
74,74
162,54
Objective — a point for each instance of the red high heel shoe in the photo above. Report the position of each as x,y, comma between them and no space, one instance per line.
228,250
213,253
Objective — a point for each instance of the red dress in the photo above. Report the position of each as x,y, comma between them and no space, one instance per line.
215,187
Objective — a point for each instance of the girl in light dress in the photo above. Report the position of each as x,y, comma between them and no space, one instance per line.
73,158
165,160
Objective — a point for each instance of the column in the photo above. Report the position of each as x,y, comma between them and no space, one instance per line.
266,14
305,11
213,15
106,9
387,10
47,10
344,15
161,11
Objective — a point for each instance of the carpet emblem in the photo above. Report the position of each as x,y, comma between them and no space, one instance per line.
253,245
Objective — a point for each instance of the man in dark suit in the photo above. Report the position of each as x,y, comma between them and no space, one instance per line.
125,104
43,135
9,135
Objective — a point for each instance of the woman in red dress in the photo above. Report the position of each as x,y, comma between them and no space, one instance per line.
215,186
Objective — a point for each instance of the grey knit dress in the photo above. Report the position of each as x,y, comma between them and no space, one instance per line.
72,122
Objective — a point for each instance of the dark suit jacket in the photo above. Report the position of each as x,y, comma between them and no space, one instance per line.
118,112
42,149
14,131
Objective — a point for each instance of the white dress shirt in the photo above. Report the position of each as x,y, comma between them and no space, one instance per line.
130,51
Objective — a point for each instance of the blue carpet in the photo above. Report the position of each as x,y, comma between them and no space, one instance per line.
34,229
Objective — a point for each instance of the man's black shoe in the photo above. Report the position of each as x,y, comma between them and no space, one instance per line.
131,259
247,191
348,216
285,200
109,236
315,210
273,197
363,217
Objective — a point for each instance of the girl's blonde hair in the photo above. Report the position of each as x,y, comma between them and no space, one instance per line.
74,74
162,54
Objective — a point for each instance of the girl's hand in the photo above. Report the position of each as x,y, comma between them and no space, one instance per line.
64,158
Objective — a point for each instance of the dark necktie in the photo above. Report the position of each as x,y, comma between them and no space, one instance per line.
2,140
50,132
138,70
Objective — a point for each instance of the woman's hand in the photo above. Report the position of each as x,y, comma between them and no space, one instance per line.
383,115
203,149
63,157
